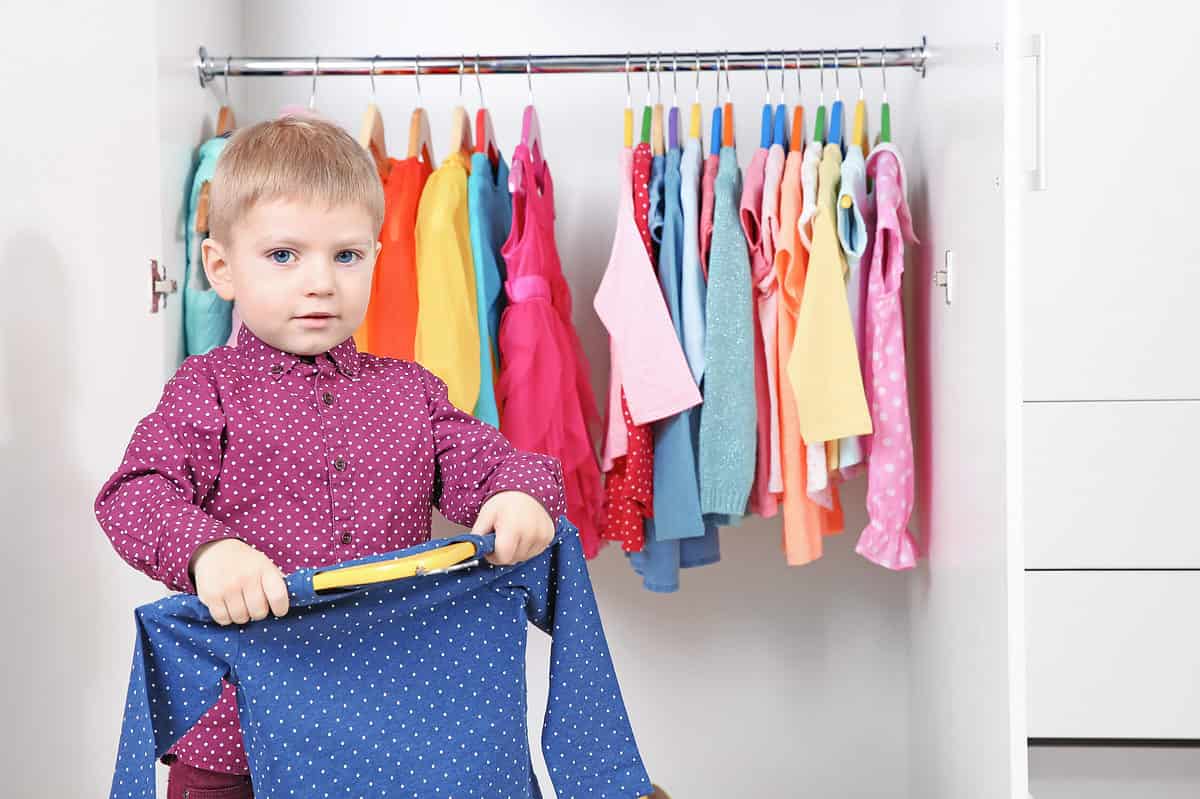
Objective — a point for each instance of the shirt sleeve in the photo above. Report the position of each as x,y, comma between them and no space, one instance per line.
587,739
150,508
475,462
180,657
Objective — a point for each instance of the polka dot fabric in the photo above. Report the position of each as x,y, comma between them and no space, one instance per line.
312,463
412,688
890,474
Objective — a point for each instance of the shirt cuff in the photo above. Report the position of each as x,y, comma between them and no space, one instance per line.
539,476
187,533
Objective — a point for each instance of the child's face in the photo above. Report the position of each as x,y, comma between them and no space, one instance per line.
299,271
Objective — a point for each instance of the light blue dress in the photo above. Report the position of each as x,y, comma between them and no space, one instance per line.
489,209
206,317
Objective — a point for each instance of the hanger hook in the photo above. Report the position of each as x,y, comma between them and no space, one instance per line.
799,86
767,75
462,65
860,80
821,62
312,98
717,91
417,78
837,77
697,77
648,68
374,58
883,70
628,84
727,91
227,79
674,79
529,75
658,76
479,83
782,73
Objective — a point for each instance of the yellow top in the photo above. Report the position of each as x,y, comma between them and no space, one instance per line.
447,336
823,368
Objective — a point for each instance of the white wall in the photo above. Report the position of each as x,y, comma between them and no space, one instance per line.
81,359
754,679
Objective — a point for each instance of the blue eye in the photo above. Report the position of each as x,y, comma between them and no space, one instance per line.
353,256
275,256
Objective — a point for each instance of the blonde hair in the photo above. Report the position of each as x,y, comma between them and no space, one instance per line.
293,158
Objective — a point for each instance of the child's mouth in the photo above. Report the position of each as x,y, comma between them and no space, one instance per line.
316,320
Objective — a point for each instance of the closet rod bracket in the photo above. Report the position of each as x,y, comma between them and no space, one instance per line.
160,286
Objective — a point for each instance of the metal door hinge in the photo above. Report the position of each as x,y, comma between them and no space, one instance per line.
944,278
160,286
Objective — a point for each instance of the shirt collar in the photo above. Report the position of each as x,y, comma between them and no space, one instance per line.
259,356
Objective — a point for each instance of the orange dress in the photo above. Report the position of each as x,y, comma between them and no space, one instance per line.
804,521
390,326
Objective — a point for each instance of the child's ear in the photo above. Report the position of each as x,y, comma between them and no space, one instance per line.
217,268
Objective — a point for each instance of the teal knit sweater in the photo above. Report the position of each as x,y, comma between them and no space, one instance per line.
728,421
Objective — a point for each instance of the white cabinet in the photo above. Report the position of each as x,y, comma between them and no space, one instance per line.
1110,268
1113,654
1111,485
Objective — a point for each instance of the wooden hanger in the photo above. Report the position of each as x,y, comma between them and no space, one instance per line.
225,121
460,132
370,132
420,141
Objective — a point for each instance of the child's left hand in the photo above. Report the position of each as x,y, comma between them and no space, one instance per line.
522,526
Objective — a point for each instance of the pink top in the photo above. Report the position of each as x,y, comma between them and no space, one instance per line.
313,463
541,355
768,300
708,182
762,500
890,474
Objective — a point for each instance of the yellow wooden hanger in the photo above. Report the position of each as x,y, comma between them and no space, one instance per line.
420,143
697,117
628,107
657,145
858,137
370,133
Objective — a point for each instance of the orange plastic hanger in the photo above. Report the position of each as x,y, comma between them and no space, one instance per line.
727,112
797,139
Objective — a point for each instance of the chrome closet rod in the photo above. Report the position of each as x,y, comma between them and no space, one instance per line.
209,67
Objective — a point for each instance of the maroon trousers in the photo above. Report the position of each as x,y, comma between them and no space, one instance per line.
189,782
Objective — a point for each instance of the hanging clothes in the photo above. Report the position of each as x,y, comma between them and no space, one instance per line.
768,301
489,205
728,432
853,232
708,182
540,352
391,321
207,319
762,501
890,472
805,521
677,535
383,166
447,336
824,367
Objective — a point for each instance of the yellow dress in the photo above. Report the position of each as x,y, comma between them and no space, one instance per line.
447,335
823,369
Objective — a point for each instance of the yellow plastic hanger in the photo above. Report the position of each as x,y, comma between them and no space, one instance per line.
628,128
657,145
697,118
370,133
459,554
858,137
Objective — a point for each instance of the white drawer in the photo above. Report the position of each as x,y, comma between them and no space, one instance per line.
1113,654
1112,485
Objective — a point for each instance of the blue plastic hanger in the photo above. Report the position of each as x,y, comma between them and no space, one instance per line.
714,147
835,113
768,113
780,136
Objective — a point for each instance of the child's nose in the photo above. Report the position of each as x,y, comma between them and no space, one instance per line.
319,279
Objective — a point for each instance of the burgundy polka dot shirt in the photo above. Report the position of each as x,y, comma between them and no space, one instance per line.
312,463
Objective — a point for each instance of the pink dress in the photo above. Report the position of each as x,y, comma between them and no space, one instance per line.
890,474
708,182
543,390
768,301
762,501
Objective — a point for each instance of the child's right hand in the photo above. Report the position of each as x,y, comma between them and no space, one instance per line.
237,583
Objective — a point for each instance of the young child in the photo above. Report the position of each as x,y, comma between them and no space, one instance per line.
292,449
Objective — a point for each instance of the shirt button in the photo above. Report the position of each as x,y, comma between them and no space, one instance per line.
327,398
277,369
346,538
339,463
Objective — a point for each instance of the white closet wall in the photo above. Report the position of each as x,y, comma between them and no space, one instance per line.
754,679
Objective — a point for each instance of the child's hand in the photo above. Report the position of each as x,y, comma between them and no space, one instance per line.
522,526
237,583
